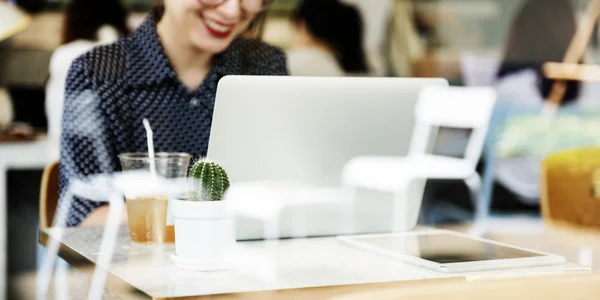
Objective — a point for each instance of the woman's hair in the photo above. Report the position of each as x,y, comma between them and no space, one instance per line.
83,18
256,27
338,25
541,32
31,6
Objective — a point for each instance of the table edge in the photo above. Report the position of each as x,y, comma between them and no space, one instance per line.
114,283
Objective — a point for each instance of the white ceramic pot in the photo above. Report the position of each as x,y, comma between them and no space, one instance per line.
204,234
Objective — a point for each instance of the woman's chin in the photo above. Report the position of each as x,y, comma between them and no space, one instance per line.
210,44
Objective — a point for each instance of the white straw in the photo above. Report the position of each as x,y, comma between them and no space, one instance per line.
149,137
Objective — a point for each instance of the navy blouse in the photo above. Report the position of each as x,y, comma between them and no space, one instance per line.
112,88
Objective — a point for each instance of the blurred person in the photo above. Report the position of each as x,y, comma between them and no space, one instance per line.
376,16
328,40
404,45
13,21
30,6
166,71
86,25
541,32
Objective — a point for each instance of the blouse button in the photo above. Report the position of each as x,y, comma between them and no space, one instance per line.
195,102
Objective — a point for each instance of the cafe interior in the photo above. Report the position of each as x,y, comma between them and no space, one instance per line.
315,149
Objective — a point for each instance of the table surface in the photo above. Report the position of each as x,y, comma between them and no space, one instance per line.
259,266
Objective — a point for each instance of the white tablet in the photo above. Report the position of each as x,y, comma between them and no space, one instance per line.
450,252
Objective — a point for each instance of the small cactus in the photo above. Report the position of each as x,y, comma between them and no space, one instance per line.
208,181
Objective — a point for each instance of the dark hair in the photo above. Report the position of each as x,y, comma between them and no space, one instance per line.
257,26
84,17
541,32
338,25
32,6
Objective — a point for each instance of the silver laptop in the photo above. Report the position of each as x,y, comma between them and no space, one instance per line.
305,129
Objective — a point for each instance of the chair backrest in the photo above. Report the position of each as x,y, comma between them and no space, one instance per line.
454,107
49,195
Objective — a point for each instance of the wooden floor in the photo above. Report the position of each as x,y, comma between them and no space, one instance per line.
73,284
23,286
581,287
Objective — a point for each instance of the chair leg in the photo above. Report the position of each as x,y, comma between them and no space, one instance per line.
426,210
481,205
401,208
399,212
268,266
407,204
473,182
349,209
61,280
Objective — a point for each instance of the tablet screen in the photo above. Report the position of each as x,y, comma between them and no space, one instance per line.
445,248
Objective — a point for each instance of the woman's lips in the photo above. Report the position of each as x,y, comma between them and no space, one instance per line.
217,29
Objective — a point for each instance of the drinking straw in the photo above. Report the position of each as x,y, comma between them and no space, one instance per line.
149,137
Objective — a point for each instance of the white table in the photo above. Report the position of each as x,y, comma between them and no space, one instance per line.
20,156
303,268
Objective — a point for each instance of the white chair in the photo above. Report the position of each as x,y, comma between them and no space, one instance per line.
404,177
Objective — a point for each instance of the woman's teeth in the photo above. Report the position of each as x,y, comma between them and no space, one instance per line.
217,27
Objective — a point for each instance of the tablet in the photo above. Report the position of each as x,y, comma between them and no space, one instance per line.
450,252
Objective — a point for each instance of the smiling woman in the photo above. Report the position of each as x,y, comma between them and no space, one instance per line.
166,71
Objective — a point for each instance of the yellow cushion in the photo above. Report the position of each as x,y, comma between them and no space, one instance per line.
567,188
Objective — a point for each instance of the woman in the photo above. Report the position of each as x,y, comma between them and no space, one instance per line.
328,40
86,25
541,32
166,71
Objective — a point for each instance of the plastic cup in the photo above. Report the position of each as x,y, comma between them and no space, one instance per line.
146,188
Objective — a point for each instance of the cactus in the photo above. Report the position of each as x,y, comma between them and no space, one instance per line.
208,181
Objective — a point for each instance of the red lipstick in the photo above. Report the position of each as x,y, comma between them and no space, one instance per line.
215,33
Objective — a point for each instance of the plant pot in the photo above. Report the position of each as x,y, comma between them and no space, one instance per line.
204,234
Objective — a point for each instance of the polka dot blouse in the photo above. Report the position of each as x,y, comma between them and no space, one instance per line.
112,88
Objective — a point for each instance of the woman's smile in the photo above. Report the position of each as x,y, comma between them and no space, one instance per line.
216,28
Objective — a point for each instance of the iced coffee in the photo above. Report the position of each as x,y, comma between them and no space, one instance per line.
147,191
147,218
